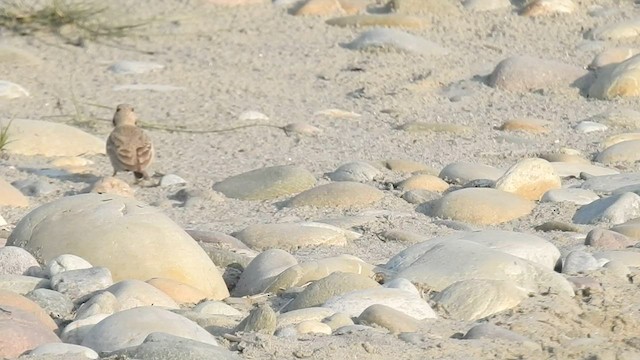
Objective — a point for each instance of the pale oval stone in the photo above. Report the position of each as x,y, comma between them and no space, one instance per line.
611,183
136,293
130,327
526,74
337,114
564,169
216,308
622,30
463,172
612,56
529,178
22,284
480,206
623,152
16,261
419,127
455,260
21,331
9,90
75,331
475,299
119,227
103,302
614,209
392,39
578,261
425,7
609,239
301,274
266,183
485,5
252,115
586,127
423,182
355,302
339,194
564,157
616,139
134,67
384,20
357,171
575,196
63,349
491,331
548,7
172,180
180,292
295,317
262,270
10,196
337,320
335,284
66,262
313,327
534,126
302,128
387,317
621,80
409,166
289,236
630,228
35,137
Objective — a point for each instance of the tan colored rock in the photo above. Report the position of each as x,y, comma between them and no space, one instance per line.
288,236
337,283
623,152
621,80
612,56
9,298
564,158
621,30
112,185
529,178
424,182
548,7
10,196
408,166
266,183
534,126
480,206
425,7
616,139
339,194
385,20
180,292
387,317
21,331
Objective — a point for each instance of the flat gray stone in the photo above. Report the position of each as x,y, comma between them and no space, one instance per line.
79,285
162,346
610,183
134,67
357,171
57,305
572,195
615,209
335,284
463,172
262,270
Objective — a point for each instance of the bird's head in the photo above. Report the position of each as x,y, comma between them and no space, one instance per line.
124,115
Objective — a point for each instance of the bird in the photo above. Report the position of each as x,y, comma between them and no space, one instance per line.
129,147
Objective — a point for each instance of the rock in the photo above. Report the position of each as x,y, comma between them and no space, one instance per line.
607,239
462,172
423,182
612,56
430,127
565,155
112,185
252,115
491,331
180,293
261,319
471,300
326,7
216,308
33,187
564,169
338,320
572,195
548,7
14,300
554,225
629,258
630,229
21,331
134,67
485,5
266,183
610,183
337,114
425,7
616,139
586,127
76,331
171,180
130,327
120,227
387,317
291,236
295,317
617,269
313,327
57,305
419,196
301,128
16,261
384,20
101,303
301,274
79,285
161,346
620,80
9,90
622,30
534,126
339,194
355,302
526,74
22,284
357,171
619,117
35,137
624,152
408,166
529,178
614,209
262,271
64,350
335,284
10,196
577,262
135,293
479,206
65,262
393,39
454,260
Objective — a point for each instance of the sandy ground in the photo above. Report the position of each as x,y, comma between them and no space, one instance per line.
259,57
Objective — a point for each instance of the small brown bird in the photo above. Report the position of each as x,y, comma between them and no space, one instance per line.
128,146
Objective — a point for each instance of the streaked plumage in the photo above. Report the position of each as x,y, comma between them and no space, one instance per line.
129,148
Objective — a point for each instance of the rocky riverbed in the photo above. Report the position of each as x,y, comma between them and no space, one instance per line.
334,179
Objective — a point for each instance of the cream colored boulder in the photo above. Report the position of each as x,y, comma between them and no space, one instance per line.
529,178
621,80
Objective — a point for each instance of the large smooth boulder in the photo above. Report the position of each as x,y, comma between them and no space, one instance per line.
132,239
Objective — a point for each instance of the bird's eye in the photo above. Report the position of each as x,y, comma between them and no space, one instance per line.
118,110
132,110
